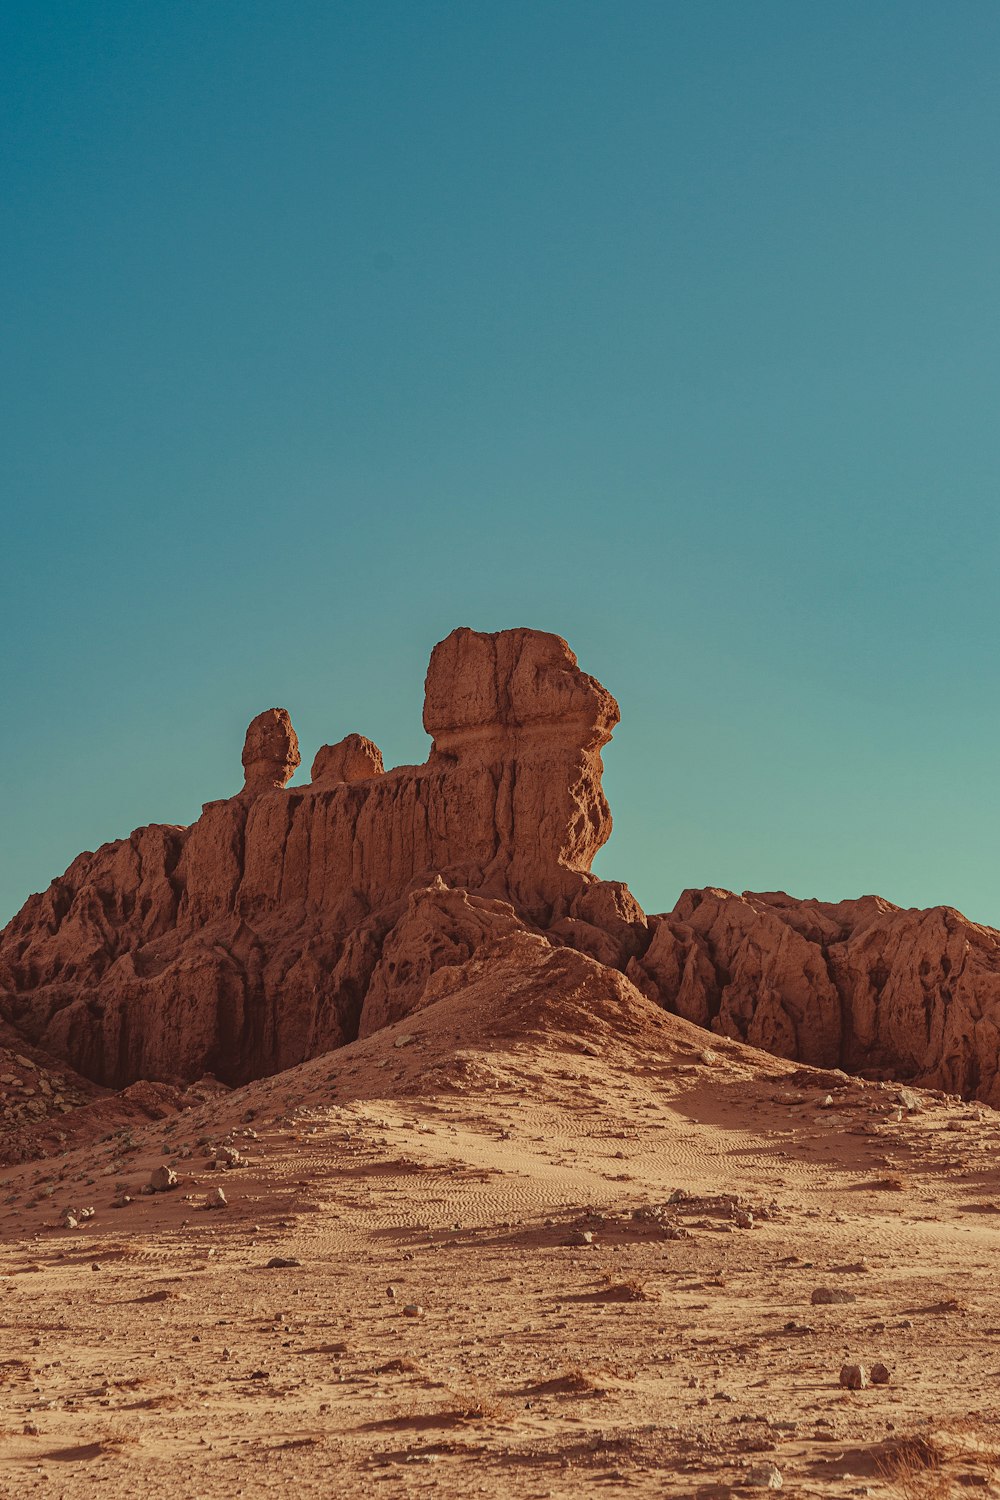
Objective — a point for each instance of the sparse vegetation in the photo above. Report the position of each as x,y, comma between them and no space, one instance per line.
923,1466
474,1402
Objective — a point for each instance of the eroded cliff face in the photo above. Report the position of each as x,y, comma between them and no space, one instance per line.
287,921
860,985
248,941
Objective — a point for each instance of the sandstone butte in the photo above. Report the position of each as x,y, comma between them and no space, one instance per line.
286,922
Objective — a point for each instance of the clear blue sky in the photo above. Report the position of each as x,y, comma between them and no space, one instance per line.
671,327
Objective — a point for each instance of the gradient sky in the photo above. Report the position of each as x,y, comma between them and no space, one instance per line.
670,327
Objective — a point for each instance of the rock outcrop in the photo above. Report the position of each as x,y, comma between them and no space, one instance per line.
288,920
352,759
249,941
861,985
270,751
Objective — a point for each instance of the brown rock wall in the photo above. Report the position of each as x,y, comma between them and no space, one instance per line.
286,920
249,940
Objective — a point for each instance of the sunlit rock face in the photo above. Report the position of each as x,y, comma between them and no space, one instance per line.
248,941
289,920
863,985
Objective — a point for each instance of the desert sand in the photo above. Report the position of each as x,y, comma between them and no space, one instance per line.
358,1140
612,1227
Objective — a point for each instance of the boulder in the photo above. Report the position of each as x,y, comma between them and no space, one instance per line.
270,751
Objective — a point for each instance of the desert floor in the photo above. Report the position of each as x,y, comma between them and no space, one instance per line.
152,1351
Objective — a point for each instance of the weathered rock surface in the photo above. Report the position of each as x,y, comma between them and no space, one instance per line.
352,759
249,941
861,985
270,752
288,920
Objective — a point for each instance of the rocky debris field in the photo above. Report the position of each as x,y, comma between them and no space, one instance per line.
582,1254
32,1092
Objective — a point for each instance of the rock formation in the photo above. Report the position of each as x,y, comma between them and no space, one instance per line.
288,920
248,941
352,759
270,751
861,985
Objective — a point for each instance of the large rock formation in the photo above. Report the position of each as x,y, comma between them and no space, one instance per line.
287,921
862,985
248,941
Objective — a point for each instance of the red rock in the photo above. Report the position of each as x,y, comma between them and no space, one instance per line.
440,928
861,985
287,920
250,940
271,751
352,759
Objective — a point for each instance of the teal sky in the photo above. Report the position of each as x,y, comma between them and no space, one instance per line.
670,327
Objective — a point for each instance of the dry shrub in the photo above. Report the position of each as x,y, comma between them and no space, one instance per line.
474,1402
118,1433
918,1466
629,1290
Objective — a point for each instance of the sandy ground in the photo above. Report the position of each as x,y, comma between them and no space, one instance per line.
151,1349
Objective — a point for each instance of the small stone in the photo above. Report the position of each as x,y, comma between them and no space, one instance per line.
743,1218
413,1310
829,1294
281,1262
879,1374
216,1199
162,1179
826,1102
580,1237
708,1057
855,1377
70,1222
764,1477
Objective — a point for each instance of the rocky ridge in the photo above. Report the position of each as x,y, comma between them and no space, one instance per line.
288,921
